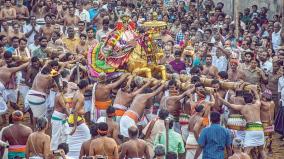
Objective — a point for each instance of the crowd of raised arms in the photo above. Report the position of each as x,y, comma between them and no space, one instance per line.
221,96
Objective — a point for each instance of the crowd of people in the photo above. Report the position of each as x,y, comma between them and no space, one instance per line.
44,74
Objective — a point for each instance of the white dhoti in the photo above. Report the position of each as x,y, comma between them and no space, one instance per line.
125,123
191,146
59,130
23,90
11,95
51,99
3,105
254,135
76,140
88,105
37,102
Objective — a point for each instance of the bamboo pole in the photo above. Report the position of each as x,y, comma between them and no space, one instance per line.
237,18
78,72
197,9
282,24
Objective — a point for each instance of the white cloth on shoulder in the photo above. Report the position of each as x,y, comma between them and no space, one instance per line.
93,109
3,105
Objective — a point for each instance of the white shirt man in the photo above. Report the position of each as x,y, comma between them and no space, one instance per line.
27,28
281,89
84,15
220,62
276,40
266,66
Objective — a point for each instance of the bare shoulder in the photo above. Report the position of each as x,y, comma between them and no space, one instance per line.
142,141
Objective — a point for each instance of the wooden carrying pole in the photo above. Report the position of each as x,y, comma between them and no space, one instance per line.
282,24
237,18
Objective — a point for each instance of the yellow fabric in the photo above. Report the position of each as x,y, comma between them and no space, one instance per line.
71,119
71,43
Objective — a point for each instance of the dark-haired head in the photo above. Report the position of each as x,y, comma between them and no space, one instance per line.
199,108
194,79
41,124
64,147
102,129
163,114
160,151
46,70
195,71
248,97
133,132
83,84
94,130
215,117
7,55
223,75
172,83
110,111
147,90
35,59
171,155
198,84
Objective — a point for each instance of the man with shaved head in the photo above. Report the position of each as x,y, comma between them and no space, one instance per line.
17,139
134,148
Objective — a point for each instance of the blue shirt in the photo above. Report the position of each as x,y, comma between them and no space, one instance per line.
93,12
213,141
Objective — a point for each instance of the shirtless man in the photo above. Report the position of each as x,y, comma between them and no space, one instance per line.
5,30
247,59
79,129
136,110
32,71
209,70
223,93
113,127
8,13
16,32
38,143
58,119
71,19
195,126
48,28
6,73
124,97
91,40
172,102
83,47
37,96
201,97
235,74
103,146
254,135
85,148
62,13
134,147
237,148
102,93
22,11
267,116
17,139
